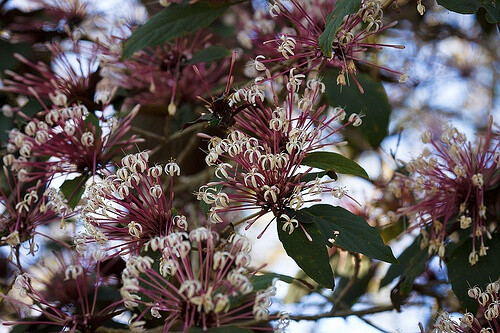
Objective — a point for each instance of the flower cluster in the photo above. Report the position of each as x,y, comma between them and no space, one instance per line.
487,319
132,206
258,164
46,19
200,281
26,208
77,83
65,292
162,75
300,45
70,139
450,182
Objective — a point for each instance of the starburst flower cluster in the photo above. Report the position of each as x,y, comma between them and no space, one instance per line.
132,206
162,75
70,139
26,208
198,281
76,82
449,182
65,292
485,321
258,164
47,19
300,25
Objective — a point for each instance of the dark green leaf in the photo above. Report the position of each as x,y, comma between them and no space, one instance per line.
393,230
310,176
31,108
224,329
472,6
263,281
6,124
354,233
311,256
403,262
357,290
175,21
333,23
8,49
210,54
374,104
416,266
73,190
463,276
92,121
329,161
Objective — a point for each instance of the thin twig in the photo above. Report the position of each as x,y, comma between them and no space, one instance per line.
148,133
368,322
354,277
345,313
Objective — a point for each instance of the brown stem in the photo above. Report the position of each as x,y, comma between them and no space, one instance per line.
354,277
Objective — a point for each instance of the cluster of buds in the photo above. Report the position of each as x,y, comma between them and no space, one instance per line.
199,281
65,293
487,319
448,183
301,44
258,164
68,140
132,206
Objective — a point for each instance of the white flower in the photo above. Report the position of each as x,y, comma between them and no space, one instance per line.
290,224
287,45
172,169
73,271
87,139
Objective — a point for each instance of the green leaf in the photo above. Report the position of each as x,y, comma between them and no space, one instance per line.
354,233
403,264
31,108
373,103
265,280
175,21
472,6
333,23
393,230
8,49
357,290
463,276
311,256
92,121
6,124
209,54
329,161
73,189
310,176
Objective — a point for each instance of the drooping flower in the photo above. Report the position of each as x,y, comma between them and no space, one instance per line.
26,208
297,41
201,282
258,164
70,292
449,183
132,206
485,321
70,139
